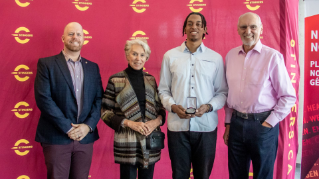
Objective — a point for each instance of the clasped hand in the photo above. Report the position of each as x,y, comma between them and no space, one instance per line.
78,131
143,128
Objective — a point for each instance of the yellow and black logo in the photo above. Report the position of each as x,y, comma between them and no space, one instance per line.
196,7
17,35
141,35
82,5
23,177
22,149
253,5
86,37
22,107
23,4
139,7
25,73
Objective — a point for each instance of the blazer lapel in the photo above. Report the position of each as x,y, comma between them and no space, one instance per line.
65,71
86,80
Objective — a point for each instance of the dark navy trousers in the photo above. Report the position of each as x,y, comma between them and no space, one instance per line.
196,148
250,141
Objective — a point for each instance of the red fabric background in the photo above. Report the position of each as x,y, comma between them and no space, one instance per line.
109,24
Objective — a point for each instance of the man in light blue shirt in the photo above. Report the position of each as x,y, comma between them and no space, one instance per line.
192,71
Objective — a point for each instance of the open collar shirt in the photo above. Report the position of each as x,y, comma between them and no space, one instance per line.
77,75
201,75
258,81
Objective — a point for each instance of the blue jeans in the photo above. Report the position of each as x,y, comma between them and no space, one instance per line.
250,141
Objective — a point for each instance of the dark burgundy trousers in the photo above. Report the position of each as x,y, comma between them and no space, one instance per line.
71,161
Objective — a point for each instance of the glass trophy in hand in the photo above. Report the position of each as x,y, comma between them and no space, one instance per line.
191,105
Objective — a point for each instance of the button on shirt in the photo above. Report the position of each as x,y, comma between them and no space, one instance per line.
76,71
258,81
201,75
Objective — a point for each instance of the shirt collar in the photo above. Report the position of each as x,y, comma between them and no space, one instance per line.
200,49
69,59
257,47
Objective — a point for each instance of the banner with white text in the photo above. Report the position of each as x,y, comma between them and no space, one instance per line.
310,137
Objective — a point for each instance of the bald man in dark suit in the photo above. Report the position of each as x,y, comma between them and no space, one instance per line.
68,92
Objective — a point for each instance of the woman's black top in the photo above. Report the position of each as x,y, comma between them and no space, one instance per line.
137,81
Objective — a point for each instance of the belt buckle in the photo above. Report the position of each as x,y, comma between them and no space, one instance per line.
243,115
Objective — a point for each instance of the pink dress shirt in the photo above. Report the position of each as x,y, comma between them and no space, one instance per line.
258,81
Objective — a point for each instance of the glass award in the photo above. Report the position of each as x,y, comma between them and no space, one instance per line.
191,105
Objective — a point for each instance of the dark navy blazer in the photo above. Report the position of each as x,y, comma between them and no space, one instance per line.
55,97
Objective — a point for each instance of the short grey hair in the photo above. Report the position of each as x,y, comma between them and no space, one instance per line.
141,42
259,20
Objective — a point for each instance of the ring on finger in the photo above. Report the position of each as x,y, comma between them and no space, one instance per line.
141,130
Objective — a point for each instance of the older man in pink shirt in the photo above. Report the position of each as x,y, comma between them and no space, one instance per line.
260,96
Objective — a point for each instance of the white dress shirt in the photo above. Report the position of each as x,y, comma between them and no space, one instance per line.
201,75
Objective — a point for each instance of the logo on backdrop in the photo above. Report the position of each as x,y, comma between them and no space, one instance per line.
253,5
82,5
86,37
25,4
22,149
23,177
196,7
21,37
139,35
21,110
139,6
22,75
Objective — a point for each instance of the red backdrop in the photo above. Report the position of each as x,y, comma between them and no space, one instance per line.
32,29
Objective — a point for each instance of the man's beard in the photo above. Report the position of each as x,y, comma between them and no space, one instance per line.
73,48
248,43
251,43
194,39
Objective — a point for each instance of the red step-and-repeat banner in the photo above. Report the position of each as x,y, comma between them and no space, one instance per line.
310,137
32,29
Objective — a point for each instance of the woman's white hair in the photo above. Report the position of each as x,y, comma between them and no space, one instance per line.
142,42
